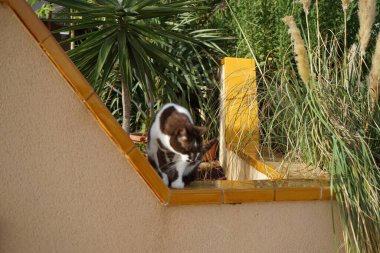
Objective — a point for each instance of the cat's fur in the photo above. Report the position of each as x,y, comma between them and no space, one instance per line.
175,145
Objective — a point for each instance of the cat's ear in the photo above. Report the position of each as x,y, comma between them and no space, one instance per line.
201,129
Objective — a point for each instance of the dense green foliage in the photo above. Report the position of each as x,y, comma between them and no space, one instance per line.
141,54
262,26
266,35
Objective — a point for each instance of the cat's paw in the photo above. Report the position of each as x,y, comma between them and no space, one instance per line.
178,184
165,179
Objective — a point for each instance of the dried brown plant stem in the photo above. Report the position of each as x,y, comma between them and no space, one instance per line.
345,5
351,58
306,7
308,39
367,14
318,40
299,49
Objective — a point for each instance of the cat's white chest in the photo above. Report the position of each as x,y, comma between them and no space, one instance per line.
182,165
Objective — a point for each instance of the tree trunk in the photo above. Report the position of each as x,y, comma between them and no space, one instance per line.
72,33
150,98
126,104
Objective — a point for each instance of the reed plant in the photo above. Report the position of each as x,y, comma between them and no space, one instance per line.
322,108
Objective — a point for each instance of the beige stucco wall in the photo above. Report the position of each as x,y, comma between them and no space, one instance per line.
65,187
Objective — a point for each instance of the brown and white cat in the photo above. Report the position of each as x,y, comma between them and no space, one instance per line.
175,146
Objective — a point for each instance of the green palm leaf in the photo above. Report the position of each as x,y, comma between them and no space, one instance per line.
129,38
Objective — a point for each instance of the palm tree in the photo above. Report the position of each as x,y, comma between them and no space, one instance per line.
127,36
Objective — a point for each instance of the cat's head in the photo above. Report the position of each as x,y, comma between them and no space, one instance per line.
188,140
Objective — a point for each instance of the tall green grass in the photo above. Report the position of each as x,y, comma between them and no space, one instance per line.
329,120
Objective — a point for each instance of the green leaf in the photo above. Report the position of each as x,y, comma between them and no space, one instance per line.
75,4
108,2
108,67
104,53
124,59
84,25
141,4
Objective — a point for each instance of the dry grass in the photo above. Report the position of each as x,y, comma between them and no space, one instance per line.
367,14
345,4
299,49
374,75
326,124
306,6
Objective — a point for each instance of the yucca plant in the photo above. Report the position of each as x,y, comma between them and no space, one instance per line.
133,44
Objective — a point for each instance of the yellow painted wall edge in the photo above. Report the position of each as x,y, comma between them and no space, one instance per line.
220,193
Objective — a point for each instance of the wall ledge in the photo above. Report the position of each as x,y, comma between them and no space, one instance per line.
237,192
216,192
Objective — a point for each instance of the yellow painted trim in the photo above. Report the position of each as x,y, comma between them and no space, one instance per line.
296,190
147,173
326,190
290,194
254,162
195,196
247,191
264,168
67,68
221,192
240,196
232,192
109,124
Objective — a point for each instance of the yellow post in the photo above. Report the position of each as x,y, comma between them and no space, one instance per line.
240,134
240,109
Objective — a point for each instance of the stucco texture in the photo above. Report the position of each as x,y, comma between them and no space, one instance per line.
65,186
